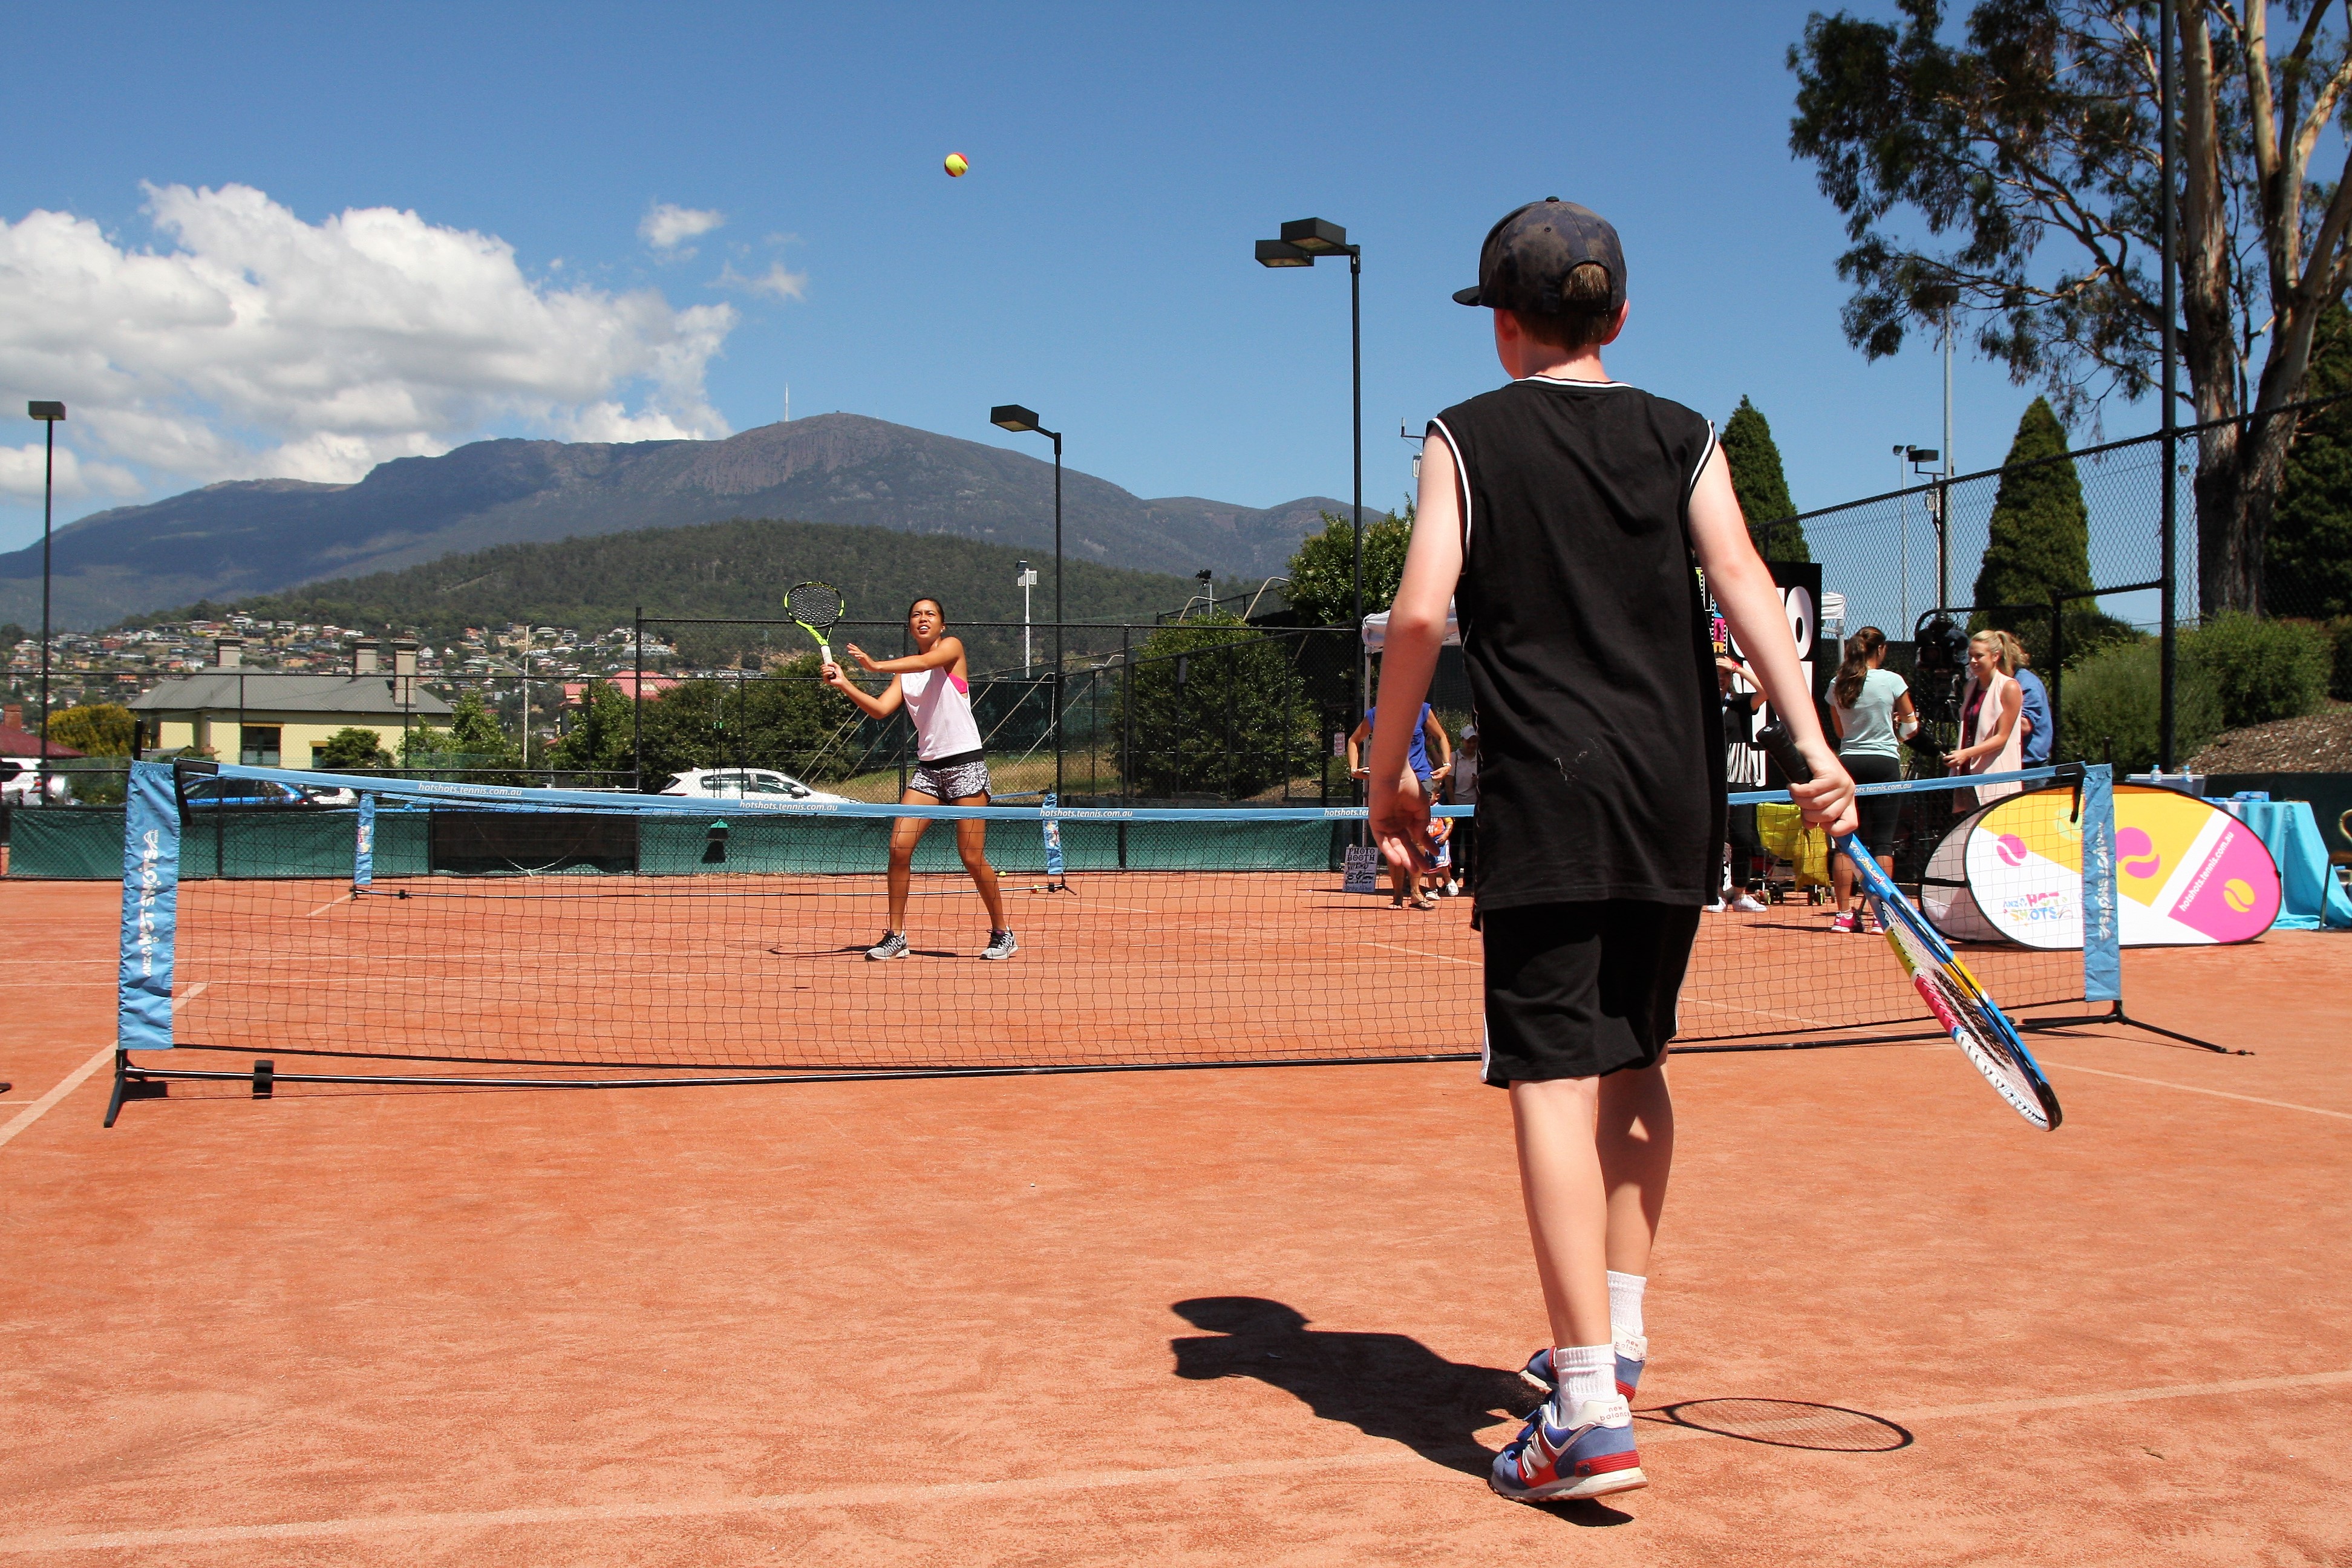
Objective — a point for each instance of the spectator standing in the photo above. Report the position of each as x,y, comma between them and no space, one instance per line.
1427,735
1404,887
2040,730
1461,789
1871,707
1991,704
1743,769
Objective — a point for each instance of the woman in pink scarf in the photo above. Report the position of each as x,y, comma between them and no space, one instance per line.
1989,705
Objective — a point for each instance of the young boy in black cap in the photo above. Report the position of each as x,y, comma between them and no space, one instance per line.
1564,513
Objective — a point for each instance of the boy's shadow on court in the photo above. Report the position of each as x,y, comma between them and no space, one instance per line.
1384,1385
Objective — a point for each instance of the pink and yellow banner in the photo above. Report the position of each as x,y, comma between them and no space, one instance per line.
2188,873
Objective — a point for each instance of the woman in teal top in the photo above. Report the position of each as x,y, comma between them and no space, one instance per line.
1872,709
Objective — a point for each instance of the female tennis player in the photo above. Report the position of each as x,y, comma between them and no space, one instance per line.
934,684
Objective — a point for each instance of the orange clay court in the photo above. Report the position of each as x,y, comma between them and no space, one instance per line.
1262,1316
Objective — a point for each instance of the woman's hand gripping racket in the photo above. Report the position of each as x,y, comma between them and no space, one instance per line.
817,607
1951,993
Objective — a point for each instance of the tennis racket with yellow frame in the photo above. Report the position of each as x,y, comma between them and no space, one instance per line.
1976,1026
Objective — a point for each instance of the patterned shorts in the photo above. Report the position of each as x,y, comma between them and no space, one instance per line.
951,779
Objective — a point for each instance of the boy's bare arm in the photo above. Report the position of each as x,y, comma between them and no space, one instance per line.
1743,586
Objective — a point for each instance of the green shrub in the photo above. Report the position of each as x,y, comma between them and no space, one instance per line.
2112,700
96,730
2339,683
351,747
2261,670
1214,706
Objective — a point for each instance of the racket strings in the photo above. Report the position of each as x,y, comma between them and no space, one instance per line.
1959,1007
816,606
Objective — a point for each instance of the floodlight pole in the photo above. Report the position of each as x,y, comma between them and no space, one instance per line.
48,414
1302,243
1012,416
2166,641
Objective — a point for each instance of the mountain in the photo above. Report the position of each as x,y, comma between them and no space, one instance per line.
254,536
716,570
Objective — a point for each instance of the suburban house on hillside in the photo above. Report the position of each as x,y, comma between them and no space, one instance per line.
269,719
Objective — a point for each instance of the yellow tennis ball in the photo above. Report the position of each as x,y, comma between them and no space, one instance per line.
2239,895
956,165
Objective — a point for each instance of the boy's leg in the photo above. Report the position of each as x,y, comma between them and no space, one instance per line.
1568,1202
1636,1134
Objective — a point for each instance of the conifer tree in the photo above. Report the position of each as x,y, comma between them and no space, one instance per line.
1762,488
2307,569
2039,543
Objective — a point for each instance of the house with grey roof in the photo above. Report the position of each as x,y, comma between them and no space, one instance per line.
269,719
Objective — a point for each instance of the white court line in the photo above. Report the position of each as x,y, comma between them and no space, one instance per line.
891,1494
330,903
2193,1089
1417,952
76,1079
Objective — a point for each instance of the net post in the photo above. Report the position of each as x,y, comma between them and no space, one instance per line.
2102,969
121,1086
363,843
150,897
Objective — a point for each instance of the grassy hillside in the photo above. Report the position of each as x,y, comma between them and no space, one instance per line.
721,569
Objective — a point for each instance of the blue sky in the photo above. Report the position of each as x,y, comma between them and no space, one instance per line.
1095,263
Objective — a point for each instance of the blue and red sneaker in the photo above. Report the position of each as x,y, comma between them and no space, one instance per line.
1591,1455
1632,1354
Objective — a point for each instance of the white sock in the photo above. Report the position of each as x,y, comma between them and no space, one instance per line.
1625,1304
1583,1373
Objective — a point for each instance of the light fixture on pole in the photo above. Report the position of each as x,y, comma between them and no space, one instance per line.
48,414
1012,416
1939,501
1301,245
1025,577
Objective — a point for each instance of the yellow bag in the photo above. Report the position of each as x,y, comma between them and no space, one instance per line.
1781,827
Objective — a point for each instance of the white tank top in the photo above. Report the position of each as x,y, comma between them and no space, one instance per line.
941,707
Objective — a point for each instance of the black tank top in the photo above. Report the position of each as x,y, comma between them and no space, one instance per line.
1584,631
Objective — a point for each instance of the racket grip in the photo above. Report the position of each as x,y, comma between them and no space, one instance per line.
1782,747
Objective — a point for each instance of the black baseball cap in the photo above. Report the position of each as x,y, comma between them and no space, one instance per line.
1525,263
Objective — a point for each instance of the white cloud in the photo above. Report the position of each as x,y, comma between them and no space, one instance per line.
23,474
667,226
778,280
256,344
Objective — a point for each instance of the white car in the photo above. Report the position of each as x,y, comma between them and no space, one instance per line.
20,784
744,783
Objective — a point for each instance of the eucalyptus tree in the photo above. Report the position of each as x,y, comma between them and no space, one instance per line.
2007,179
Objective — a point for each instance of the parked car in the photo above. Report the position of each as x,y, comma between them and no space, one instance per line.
220,792
20,784
744,783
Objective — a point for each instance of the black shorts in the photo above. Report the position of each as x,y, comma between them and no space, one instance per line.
1878,812
1582,989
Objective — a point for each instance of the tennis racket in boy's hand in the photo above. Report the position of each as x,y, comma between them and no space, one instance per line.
817,607
1979,1027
